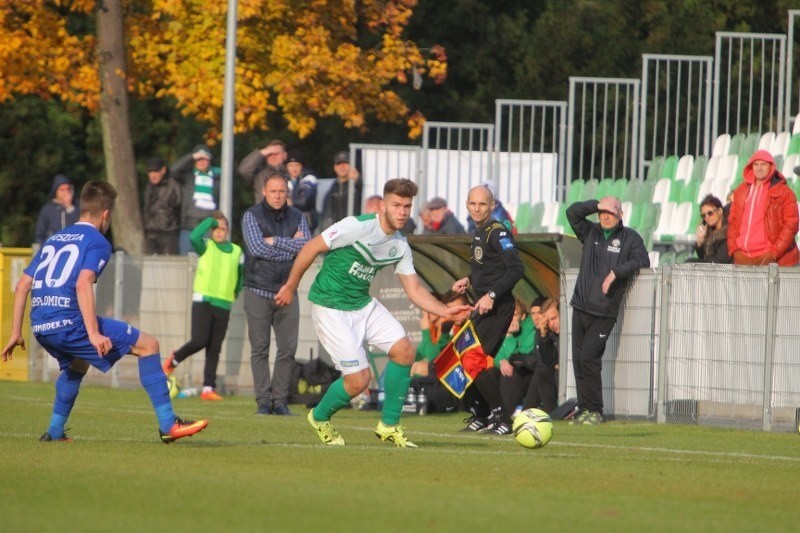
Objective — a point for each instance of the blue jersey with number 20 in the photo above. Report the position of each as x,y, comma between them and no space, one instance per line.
55,269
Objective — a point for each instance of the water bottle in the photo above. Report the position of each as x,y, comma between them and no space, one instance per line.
410,405
422,402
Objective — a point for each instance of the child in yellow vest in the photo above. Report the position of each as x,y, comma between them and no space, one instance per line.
216,286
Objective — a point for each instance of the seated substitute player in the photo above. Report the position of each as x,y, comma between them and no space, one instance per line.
60,279
345,315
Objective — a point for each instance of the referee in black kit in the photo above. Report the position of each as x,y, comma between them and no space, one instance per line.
495,267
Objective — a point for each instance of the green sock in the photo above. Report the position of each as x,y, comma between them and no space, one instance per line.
396,379
334,399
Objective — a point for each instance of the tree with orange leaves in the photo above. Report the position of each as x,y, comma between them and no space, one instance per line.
304,59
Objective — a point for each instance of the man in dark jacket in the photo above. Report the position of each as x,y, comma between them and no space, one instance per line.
274,232
59,212
336,201
302,188
200,191
612,254
162,210
262,162
442,221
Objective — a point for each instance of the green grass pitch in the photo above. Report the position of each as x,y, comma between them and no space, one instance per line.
269,473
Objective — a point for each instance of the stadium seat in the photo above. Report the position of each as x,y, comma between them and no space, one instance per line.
575,191
524,220
537,212
699,168
780,145
681,257
766,140
650,216
654,169
550,215
667,258
685,166
721,145
689,192
589,188
787,169
604,188
654,259
736,143
794,145
618,188
627,211
749,146
632,214
661,191
665,220
644,192
675,191
705,188
631,190
728,168
670,167
711,167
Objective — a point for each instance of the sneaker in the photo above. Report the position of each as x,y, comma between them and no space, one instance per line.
281,409
169,364
47,438
593,418
496,427
393,434
578,419
210,396
475,423
325,431
182,428
264,409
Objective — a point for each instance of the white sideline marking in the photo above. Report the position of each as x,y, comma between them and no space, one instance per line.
455,434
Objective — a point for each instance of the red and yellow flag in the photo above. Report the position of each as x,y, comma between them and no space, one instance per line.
449,368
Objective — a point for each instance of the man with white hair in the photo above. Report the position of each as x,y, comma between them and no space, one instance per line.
612,254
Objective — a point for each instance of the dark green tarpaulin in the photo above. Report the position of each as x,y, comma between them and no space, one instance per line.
442,259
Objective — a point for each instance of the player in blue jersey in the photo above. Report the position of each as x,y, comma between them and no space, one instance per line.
61,279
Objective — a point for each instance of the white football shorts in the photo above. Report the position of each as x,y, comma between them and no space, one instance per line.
343,333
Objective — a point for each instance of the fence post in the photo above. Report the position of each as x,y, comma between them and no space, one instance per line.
663,341
769,344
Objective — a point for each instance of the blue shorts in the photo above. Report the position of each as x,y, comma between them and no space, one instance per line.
65,346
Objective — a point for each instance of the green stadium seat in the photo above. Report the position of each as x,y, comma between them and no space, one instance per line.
654,169
681,257
794,145
676,191
667,258
689,192
589,189
736,143
575,191
644,192
618,187
604,188
537,212
670,167
699,169
524,219
748,147
634,214
631,189
650,215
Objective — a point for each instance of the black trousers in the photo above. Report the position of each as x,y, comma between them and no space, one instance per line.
543,389
589,337
209,326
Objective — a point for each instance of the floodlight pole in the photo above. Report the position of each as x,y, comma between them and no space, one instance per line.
228,107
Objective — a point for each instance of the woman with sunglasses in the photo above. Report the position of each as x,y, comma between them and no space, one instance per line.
712,233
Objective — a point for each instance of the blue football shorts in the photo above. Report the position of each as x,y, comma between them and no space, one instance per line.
65,346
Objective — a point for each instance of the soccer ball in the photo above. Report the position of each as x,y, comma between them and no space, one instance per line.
533,428
173,386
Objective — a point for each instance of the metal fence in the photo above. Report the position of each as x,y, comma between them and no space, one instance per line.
676,106
698,344
701,344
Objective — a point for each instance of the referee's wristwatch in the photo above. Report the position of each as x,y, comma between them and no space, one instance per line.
492,295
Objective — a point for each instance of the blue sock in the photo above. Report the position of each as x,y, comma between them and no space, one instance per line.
154,381
68,385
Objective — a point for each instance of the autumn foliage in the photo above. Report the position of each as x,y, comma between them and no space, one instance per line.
304,59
